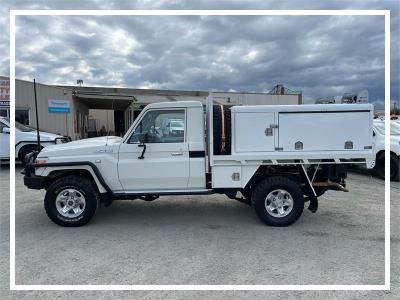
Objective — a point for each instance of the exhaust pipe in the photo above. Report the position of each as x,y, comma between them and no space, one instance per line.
328,183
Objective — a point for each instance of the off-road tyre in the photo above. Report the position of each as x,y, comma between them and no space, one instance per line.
79,183
24,151
268,185
380,166
394,167
217,130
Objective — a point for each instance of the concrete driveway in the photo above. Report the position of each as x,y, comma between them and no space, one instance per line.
203,240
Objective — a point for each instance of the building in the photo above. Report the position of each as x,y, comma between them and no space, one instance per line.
82,111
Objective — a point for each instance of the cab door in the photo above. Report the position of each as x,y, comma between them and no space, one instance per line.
4,141
164,164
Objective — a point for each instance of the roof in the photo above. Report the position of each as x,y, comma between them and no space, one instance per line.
303,108
177,104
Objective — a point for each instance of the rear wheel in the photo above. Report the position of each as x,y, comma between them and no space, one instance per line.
71,201
278,201
394,167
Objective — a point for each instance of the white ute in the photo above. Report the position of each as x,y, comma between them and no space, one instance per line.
276,157
379,149
25,139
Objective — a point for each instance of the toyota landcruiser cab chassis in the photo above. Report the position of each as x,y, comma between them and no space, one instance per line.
274,158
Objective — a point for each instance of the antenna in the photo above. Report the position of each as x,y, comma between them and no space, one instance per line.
37,118
108,132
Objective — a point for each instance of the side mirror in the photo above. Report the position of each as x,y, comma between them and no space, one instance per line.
6,130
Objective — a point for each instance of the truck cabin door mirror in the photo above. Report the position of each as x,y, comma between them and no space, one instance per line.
143,138
6,130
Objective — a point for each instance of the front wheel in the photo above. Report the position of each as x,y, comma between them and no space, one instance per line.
278,201
71,201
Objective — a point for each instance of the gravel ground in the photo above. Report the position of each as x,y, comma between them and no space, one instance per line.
203,240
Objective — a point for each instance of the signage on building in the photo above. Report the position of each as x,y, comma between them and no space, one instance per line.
59,106
4,93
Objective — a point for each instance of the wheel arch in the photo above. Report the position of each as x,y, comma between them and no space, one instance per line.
23,145
382,152
55,172
264,171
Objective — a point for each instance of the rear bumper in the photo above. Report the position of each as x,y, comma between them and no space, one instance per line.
34,182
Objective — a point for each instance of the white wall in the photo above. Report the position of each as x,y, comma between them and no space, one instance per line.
56,123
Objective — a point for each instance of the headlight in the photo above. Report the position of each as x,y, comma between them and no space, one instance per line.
61,140
41,160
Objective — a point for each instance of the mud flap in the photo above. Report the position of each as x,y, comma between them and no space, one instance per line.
106,199
313,207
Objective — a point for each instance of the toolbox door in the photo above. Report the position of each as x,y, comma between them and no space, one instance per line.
254,132
324,131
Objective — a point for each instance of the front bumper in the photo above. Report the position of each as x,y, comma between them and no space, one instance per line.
34,182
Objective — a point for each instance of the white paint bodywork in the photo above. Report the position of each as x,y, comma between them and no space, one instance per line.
379,140
23,138
101,151
163,170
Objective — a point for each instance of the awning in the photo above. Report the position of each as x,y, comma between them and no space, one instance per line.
97,101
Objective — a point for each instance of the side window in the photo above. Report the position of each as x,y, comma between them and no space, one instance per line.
161,126
2,125
22,116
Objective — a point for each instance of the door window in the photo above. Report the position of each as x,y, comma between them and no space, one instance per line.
22,116
2,125
160,126
4,112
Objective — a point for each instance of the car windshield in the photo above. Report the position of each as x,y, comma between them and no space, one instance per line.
19,126
394,128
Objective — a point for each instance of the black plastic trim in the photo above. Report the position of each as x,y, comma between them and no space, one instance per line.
196,154
82,163
34,182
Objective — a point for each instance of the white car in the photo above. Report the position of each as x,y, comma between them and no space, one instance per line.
25,139
379,148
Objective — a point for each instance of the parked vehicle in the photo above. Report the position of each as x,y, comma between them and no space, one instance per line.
25,139
277,157
379,149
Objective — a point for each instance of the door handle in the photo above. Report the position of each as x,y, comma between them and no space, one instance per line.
177,154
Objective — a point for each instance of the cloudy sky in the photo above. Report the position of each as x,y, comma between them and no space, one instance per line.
322,56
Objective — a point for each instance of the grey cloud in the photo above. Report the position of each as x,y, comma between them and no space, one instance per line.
320,55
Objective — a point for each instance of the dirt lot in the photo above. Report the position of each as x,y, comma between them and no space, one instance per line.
203,240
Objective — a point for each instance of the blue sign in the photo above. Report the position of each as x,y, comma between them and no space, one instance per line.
59,106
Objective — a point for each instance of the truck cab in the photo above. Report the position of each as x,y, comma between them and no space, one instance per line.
167,159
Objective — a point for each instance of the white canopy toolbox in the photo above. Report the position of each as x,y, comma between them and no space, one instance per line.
302,128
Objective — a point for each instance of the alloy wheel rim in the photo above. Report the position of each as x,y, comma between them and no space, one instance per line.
279,203
70,203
